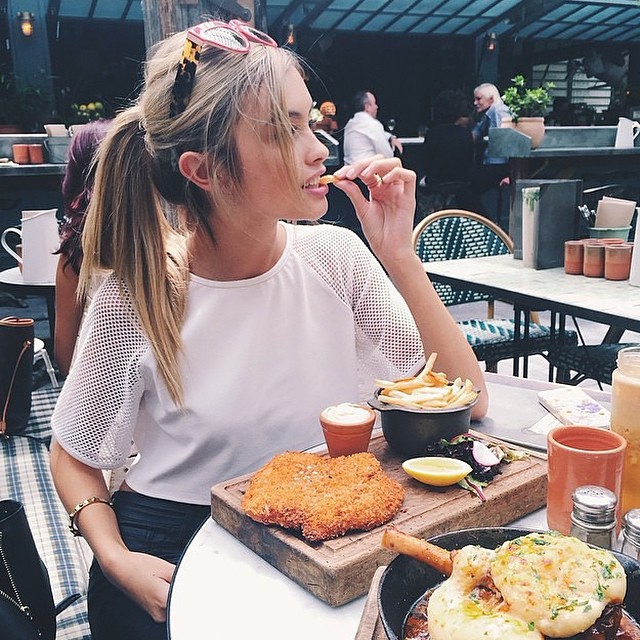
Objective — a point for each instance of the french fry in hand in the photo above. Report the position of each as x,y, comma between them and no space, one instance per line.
427,390
421,550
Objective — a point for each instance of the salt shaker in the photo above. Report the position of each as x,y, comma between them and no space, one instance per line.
593,519
631,534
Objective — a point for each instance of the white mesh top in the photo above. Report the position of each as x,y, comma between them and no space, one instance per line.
262,358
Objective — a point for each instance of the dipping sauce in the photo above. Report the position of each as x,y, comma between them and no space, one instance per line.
347,428
347,413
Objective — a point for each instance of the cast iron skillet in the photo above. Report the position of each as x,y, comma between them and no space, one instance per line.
405,579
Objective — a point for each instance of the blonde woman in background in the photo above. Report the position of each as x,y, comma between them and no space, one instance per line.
216,346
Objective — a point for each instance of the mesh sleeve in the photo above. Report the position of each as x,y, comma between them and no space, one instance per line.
387,338
96,412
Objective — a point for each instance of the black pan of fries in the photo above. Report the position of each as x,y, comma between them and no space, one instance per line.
421,410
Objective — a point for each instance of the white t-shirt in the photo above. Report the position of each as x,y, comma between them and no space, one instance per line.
262,358
364,136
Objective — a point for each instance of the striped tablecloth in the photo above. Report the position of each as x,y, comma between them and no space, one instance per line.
25,476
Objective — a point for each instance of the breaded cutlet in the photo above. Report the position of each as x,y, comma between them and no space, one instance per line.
322,497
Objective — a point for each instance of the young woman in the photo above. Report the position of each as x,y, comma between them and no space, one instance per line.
76,191
215,346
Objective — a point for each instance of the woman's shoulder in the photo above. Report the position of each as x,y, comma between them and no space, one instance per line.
112,303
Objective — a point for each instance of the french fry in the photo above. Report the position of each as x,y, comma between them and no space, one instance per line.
427,390
421,550
328,179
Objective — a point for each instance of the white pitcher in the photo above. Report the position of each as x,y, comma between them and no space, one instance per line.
39,234
626,133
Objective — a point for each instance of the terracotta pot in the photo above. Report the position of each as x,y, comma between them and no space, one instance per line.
532,127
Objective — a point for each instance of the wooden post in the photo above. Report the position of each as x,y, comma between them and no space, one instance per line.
164,17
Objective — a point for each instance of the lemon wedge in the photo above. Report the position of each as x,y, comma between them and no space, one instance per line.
439,472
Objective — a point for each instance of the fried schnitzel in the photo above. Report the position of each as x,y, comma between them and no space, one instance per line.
322,497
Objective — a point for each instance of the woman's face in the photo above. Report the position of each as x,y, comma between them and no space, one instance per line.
264,190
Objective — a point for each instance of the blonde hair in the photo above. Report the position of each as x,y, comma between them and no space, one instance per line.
137,176
489,90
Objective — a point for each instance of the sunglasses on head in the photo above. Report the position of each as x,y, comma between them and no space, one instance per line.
234,36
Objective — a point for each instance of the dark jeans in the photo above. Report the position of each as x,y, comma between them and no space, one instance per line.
159,527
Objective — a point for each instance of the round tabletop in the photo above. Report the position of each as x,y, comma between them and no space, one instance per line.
224,587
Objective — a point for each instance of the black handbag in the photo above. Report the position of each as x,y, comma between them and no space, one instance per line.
27,610
16,373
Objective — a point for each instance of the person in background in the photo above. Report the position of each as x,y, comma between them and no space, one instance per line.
447,157
328,122
364,134
493,171
448,147
216,344
76,191
560,115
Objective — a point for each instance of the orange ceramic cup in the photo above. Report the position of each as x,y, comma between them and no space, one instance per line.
36,154
347,428
578,456
573,257
20,153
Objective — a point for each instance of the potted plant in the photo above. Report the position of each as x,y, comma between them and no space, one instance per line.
528,107
19,108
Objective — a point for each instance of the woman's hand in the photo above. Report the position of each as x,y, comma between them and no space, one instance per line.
387,216
145,579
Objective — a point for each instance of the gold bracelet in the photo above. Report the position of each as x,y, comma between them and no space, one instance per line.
73,514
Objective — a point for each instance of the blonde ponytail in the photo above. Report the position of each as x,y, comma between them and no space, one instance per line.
126,231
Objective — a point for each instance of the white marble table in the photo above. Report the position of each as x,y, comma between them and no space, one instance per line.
614,303
221,586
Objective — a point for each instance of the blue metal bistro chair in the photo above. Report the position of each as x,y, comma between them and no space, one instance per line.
453,234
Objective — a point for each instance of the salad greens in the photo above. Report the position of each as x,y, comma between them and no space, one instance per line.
485,458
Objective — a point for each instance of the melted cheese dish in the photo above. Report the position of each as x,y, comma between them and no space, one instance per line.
539,585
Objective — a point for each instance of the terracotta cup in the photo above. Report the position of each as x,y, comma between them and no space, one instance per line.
347,428
617,261
593,262
579,456
20,153
573,257
36,154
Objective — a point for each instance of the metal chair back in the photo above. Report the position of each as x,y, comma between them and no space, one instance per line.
453,234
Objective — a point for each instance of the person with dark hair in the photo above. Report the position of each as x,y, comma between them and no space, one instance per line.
215,343
76,191
447,155
448,146
364,134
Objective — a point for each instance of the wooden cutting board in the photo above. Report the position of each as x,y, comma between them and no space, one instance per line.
340,570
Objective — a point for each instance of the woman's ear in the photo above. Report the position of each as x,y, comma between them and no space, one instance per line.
193,167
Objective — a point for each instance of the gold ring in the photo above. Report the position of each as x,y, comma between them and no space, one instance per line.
379,179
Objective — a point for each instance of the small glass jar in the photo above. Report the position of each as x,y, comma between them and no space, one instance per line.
593,262
631,534
593,519
625,420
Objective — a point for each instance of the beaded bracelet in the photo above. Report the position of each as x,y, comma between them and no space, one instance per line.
73,514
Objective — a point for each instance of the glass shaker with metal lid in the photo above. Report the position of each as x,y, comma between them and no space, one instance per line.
631,534
593,519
